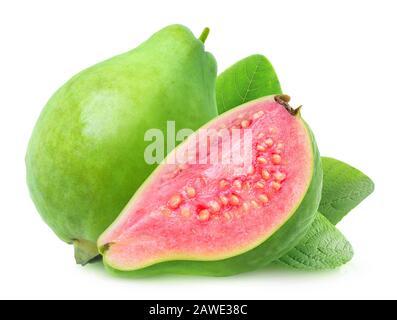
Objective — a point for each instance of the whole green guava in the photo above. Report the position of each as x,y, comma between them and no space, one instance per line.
86,155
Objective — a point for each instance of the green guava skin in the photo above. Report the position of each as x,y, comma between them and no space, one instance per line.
282,241
85,158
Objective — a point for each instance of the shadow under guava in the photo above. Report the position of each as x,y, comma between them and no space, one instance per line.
160,271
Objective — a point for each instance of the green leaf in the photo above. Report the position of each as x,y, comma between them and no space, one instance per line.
344,187
324,247
246,80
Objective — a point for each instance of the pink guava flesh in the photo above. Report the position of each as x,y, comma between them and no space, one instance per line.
214,211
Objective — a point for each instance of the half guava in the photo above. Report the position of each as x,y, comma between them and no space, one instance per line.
202,213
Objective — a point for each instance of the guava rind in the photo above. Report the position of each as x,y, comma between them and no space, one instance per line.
85,157
282,240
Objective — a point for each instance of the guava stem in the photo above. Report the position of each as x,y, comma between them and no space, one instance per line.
204,35
283,99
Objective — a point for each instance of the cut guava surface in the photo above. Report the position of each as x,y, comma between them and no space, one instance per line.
204,212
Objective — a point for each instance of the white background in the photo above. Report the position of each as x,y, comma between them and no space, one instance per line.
337,58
